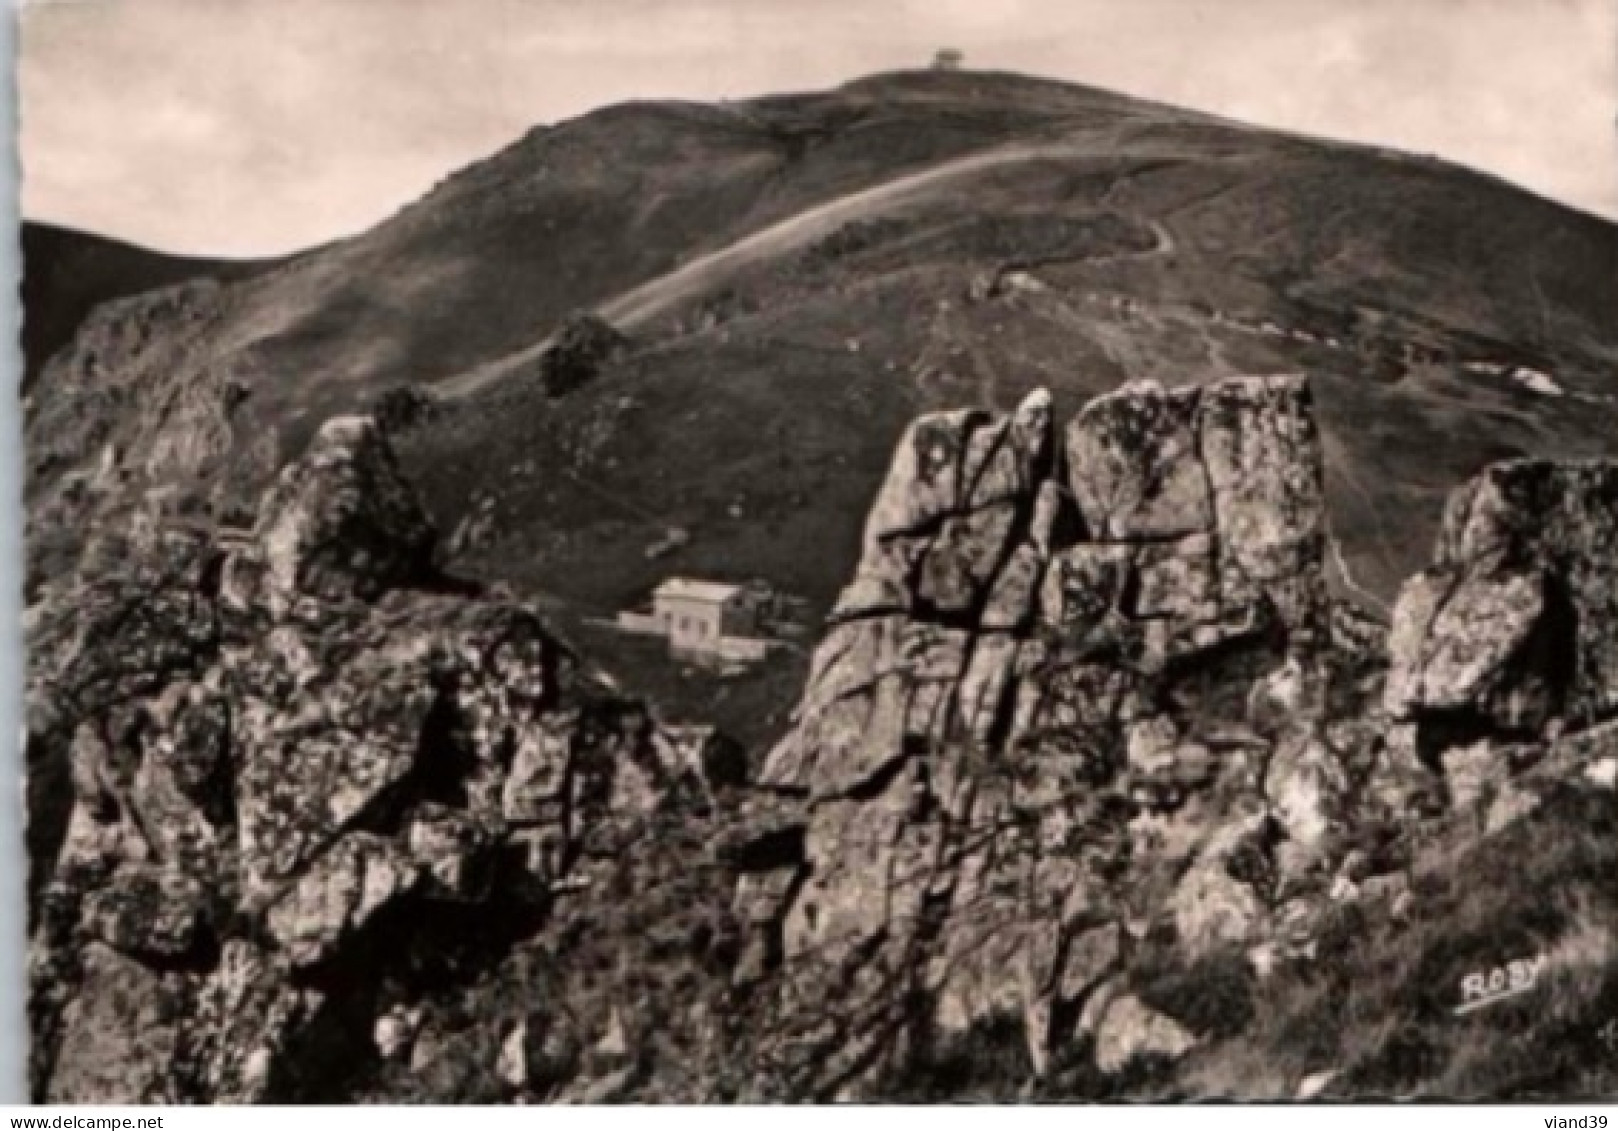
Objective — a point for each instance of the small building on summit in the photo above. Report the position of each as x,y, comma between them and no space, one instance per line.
697,615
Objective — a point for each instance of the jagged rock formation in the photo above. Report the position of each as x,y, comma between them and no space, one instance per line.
1515,627
1087,703
1018,702
285,749
1085,729
1510,639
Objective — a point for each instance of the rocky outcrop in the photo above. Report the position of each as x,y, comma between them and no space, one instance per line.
339,524
1216,493
1512,633
1016,705
285,750
1084,750
1130,1030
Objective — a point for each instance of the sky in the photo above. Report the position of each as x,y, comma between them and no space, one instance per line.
251,127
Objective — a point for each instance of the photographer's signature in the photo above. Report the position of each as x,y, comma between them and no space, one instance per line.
1486,987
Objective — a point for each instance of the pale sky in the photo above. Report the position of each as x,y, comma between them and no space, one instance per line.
244,127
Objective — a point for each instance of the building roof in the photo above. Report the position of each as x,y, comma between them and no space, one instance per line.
684,588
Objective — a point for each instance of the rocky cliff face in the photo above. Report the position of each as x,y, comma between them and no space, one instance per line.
132,412
1025,739
289,750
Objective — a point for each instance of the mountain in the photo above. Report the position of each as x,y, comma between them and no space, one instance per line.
67,272
1192,543
803,268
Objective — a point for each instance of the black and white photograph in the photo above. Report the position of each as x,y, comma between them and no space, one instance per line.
734,552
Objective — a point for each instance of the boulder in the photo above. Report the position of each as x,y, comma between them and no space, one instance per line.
395,1032
1134,465
578,352
1215,905
403,407
1461,648
963,558
120,1035
1130,1030
1513,629
342,523
450,851
338,896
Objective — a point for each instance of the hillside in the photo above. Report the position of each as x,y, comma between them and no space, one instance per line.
800,275
66,273
1146,241
1130,242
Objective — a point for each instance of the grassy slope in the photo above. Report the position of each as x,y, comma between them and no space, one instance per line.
1372,1015
784,389
1376,1006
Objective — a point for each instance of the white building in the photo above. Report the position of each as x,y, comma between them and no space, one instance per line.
697,615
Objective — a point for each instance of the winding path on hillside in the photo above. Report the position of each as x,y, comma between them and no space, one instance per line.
706,272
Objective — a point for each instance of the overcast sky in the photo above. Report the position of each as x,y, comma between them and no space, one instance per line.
252,126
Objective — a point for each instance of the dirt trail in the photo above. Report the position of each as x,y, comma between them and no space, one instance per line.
706,272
